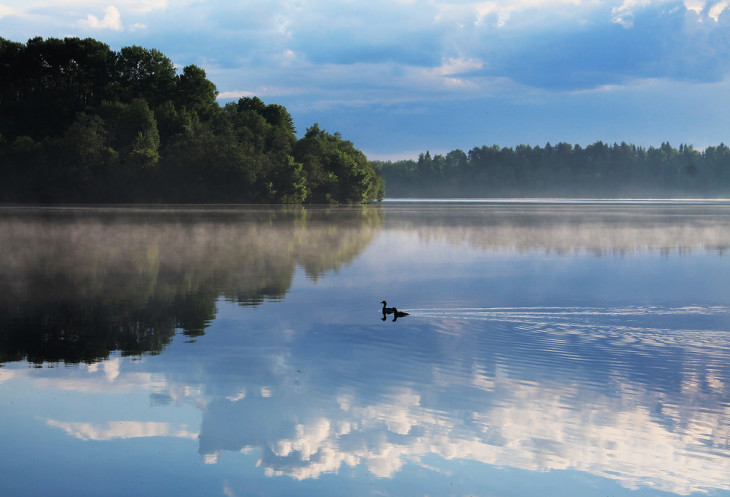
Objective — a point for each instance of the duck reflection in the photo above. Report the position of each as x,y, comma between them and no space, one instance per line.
391,310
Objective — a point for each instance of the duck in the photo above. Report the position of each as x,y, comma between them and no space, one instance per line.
398,314
386,310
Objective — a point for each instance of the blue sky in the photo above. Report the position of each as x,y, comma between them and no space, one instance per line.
401,77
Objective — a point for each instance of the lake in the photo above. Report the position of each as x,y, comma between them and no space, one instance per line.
551,348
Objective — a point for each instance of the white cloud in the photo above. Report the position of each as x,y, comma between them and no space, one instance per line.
235,94
239,396
122,429
716,10
624,13
7,11
263,91
447,73
699,6
477,13
695,5
613,437
112,20
112,368
454,66
108,376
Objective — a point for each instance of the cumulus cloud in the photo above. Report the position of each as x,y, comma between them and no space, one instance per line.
112,20
696,6
716,10
535,427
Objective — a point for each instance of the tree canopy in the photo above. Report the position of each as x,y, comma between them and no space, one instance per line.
563,170
80,122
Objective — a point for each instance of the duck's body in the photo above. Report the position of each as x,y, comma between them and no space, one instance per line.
387,310
398,314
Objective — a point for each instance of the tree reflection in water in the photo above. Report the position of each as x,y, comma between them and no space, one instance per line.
79,283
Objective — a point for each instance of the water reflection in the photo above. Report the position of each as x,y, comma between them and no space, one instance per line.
649,409
643,408
76,284
312,387
593,228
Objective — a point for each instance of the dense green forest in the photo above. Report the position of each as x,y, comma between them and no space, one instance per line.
82,123
563,170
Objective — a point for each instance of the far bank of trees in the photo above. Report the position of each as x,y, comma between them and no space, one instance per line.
563,170
82,123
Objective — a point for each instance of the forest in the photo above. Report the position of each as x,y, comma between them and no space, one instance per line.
82,123
563,170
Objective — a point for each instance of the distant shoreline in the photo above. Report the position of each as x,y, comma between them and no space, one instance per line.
561,201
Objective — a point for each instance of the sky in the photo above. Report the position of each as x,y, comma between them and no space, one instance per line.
400,77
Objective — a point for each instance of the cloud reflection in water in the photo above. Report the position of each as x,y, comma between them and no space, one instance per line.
536,411
638,393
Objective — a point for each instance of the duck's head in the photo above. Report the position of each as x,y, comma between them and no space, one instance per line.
383,302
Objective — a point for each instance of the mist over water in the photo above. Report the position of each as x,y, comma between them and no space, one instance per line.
238,351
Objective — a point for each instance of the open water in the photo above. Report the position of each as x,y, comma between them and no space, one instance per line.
551,348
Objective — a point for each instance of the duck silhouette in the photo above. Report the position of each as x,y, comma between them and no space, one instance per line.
398,314
386,310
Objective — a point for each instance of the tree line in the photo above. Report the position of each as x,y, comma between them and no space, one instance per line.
80,122
563,170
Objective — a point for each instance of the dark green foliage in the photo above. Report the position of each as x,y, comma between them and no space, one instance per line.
564,170
144,74
195,92
336,170
82,123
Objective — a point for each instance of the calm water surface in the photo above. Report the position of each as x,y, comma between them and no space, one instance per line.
559,349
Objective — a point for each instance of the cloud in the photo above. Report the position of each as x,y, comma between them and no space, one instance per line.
362,66
411,55
121,429
7,11
624,13
696,6
716,10
700,7
535,427
498,14
262,91
112,20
